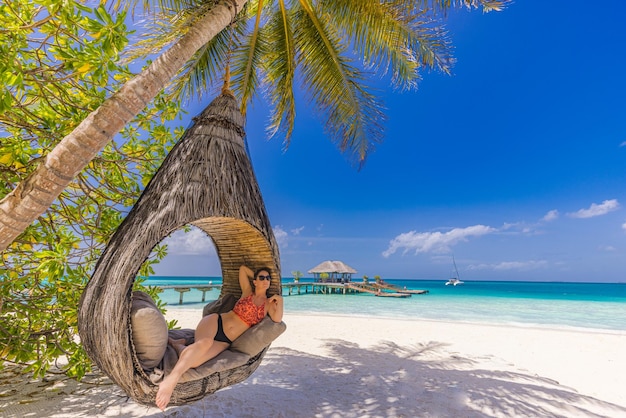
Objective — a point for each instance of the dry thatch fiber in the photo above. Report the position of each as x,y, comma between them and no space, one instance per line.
207,181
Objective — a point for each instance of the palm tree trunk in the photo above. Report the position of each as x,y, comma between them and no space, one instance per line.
34,195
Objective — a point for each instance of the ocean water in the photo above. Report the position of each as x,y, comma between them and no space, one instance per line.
600,306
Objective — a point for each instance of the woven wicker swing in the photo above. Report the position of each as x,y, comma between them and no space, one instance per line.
206,181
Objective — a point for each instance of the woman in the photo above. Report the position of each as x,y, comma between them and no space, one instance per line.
216,332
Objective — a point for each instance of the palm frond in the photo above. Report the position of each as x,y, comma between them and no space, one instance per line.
163,28
442,6
176,4
247,58
392,35
329,45
487,5
205,70
280,69
427,38
202,72
353,115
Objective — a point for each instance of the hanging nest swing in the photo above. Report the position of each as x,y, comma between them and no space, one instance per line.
206,181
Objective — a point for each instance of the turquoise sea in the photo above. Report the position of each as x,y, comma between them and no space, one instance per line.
600,306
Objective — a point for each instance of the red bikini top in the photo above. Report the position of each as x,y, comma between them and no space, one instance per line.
248,311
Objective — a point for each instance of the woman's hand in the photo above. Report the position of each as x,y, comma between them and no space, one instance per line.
276,299
275,308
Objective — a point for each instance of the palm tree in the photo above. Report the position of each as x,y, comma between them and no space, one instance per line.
312,38
297,275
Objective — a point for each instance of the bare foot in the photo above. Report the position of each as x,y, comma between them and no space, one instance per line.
178,345
166,387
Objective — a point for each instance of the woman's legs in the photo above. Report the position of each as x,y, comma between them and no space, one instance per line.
204,348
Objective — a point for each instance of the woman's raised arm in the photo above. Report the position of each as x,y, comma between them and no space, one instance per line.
245,275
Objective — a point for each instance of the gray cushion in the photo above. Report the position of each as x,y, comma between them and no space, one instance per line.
224,361
149,330
224,304
258,337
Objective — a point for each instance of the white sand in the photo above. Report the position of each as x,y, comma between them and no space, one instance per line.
325,366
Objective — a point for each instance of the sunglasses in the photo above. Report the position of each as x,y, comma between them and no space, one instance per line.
261,277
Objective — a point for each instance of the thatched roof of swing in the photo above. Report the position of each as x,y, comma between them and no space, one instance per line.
207,181
332,267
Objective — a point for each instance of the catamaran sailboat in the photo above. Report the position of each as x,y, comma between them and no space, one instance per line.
454,280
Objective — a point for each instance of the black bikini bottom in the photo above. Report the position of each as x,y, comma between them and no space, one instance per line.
220,336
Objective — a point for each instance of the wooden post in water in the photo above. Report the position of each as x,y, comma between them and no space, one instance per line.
182,290
204,289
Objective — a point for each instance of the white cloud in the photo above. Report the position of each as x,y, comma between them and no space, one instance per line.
623,144
282,238
193,242
422,242
510,265
551,216
607,248
624,226
520,228
597,210
297,231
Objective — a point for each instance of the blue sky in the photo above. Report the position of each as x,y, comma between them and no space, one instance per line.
515,164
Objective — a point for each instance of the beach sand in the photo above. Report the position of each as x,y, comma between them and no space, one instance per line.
338,366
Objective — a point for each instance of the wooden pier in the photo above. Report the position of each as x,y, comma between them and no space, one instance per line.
376,291
317,288
381,289
185,289
298,288
398,289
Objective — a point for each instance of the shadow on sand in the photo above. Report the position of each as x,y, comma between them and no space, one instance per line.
381,381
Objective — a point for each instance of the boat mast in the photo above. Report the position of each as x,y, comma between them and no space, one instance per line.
455,269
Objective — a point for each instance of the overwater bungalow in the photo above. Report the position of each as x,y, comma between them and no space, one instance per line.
332,272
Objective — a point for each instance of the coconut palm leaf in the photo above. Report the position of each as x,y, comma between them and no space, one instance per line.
280,71
205,68
336,85
381,35
247,58
443,6
399,37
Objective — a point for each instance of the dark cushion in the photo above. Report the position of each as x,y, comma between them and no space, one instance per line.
149,330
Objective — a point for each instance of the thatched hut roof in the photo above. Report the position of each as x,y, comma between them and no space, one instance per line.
332,267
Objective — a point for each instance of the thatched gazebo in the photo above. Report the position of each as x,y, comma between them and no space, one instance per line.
337,271
206,181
